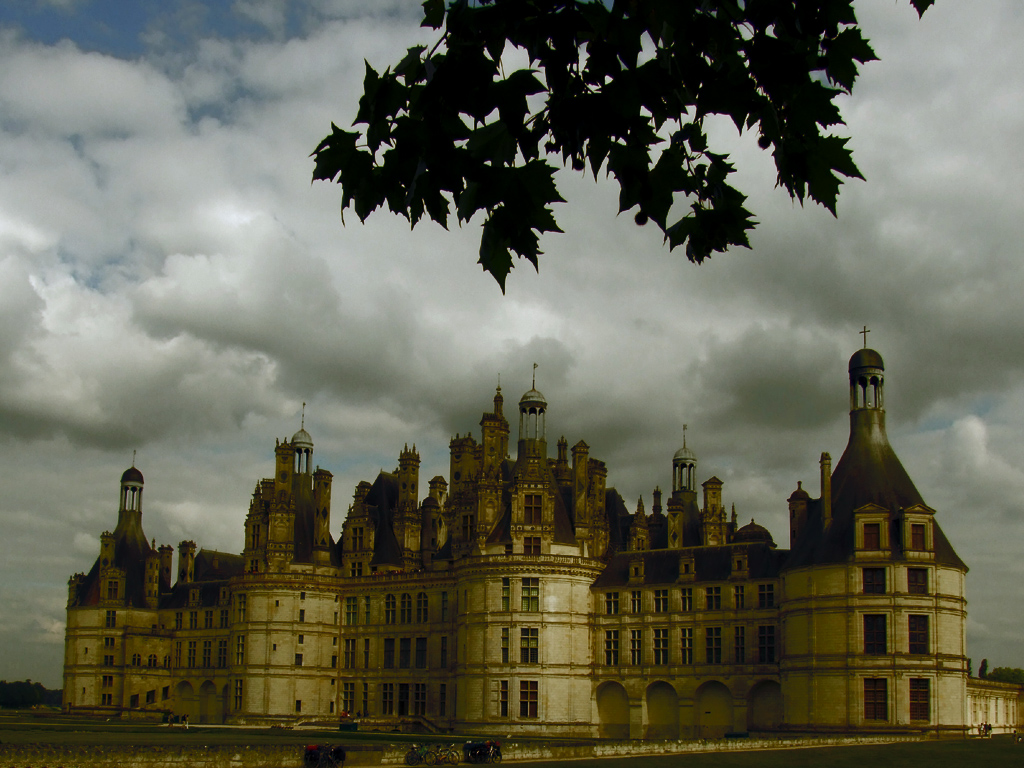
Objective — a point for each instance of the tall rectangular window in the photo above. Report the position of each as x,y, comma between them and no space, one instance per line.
111,619
444,606
874,633
349,659
531,594
240,649
421,653
918,634
444,653
611,603
504,645
387,698
389,653
348,696
302,614
917,581
661,601
766,644
193,619
298,659
713,598
611,647
422,608
366,611
191,654
765,595
528,698
531,509
739,645
207,654
351,610
872,536
503,698
224,618
917,536
366,654
661,646
636,647
876,698
531,545
240,607
112,590
713,645
178,620
404,652
366,698
874,581
222,654
529,642
238,695
442,699
686,593
686,645
920,699
636,601
208,620
357,538
739,597
506,593
419,698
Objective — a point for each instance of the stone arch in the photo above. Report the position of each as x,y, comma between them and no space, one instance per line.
209,703
185,701
764,706
662,711
612,711
714,710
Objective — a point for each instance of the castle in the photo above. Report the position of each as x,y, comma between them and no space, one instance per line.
521,596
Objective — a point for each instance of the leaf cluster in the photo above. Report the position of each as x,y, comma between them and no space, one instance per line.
615,87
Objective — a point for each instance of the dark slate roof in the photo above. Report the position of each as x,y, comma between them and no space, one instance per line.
130,552
380,503
869,472
661,566
619,520
212,565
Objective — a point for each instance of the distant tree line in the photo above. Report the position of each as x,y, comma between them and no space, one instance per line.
25,693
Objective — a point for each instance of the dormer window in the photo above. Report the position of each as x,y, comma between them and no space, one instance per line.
917,539
872,536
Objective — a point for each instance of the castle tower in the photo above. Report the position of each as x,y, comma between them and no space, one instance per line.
871,547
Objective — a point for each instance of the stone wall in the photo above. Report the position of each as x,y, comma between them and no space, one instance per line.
290,755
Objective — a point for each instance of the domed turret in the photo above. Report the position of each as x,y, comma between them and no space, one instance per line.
752,533
684,468
532,407
132,475
302,442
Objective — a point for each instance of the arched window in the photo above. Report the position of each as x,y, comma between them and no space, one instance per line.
152,660
406,608
136,660
389,609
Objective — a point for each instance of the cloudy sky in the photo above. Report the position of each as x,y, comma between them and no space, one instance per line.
171,283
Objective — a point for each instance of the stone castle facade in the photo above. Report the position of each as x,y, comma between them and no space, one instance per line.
522,596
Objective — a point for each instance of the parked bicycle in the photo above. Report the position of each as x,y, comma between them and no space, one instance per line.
483,751
449,754
421,753
323,756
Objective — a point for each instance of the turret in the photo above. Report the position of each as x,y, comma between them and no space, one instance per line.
186,562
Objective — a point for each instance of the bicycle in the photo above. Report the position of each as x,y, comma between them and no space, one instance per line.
449,754
323,756
420,753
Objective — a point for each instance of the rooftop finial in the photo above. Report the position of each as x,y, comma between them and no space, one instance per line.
534,385
133,458
865,333
303,425
684,434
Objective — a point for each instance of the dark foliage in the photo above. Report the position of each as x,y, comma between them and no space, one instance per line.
619,88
